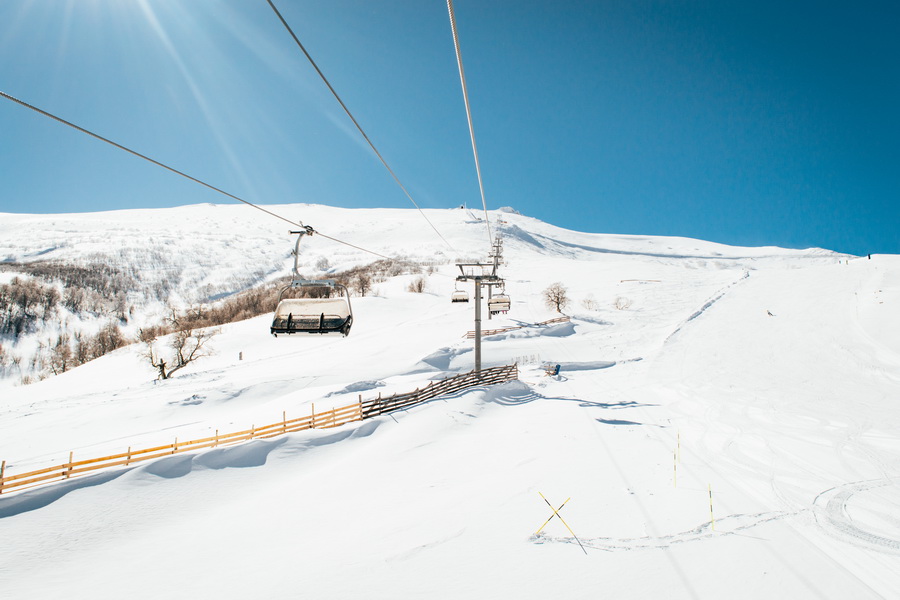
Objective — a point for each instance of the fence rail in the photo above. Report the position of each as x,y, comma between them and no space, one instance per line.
335,417
494,375
485,332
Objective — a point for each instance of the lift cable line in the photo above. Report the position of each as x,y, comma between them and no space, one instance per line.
358,127
465,91
185,175
139,155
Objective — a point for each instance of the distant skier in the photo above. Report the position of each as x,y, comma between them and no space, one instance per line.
768,312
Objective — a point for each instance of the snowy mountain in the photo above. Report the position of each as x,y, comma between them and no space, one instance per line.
756,387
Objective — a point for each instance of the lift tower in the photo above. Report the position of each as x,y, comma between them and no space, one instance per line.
483,274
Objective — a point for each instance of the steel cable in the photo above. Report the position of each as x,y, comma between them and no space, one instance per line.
358,127
465,91
185,175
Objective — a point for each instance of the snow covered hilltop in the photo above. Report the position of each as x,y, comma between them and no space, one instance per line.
768,377
87,283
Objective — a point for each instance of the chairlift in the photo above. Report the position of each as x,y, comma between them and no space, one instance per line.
459,296
499,304
322,316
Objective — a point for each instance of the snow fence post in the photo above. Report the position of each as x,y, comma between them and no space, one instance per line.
2,471
69,466
312,422
284,421
128,456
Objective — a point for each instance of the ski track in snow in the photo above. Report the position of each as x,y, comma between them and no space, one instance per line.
833,516
728,525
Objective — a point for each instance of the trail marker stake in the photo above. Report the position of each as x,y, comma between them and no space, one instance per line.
712,519
556,513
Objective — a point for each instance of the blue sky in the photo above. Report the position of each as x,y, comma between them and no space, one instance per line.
763,123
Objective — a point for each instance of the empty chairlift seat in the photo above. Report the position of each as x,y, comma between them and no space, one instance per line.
322,316
460,296
498,304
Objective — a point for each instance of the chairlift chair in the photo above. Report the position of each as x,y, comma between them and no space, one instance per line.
499,304
322,316
459,296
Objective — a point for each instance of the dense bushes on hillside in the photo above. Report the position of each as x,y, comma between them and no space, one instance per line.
44,299
95,288
260,300
72,350
24,303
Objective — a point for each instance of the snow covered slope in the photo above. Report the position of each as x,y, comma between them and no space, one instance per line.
768,376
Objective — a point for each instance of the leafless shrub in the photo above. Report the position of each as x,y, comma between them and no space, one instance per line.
417,285
622,303
590,303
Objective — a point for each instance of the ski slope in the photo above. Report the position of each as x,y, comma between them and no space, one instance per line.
768,376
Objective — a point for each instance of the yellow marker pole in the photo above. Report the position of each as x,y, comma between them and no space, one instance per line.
712,519
564,522
551,517
675,469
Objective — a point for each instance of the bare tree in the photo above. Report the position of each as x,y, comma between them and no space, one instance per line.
107,339
363,283
61,357
556,296
188,341
187,344
590,303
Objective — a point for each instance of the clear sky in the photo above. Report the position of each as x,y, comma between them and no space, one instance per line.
746,123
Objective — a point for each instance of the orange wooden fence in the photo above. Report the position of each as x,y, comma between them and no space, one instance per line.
322,420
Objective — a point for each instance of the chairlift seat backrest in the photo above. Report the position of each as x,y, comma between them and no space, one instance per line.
498,304
321,316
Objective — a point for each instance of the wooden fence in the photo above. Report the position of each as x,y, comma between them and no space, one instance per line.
379,406
485,332
363,409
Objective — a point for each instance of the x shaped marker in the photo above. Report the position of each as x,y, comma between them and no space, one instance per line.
556,514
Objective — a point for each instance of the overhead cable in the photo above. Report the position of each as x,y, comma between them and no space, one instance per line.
465,91
139,155
347,110
185,175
